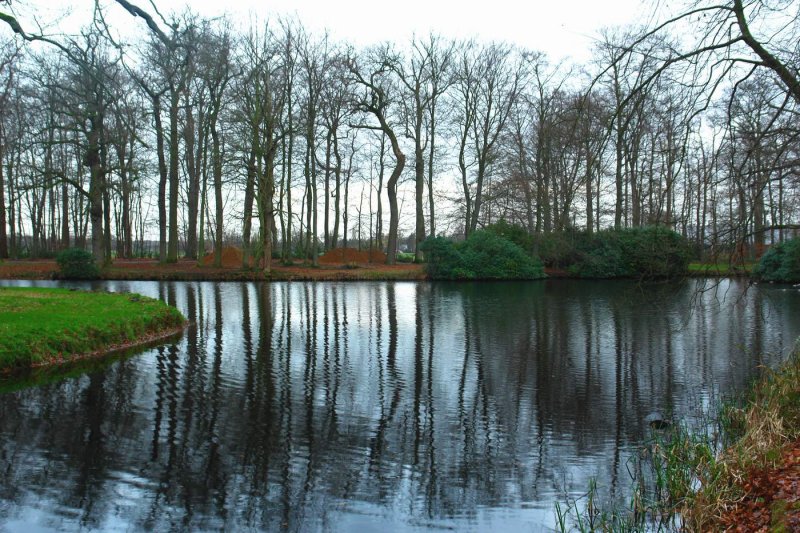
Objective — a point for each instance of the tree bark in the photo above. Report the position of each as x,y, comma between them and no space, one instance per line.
174,177
162,181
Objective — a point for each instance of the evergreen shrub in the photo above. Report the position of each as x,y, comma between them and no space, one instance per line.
780,263
484,255
649,252
76,263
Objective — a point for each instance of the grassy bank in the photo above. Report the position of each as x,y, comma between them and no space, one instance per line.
740,469
720,269
50,326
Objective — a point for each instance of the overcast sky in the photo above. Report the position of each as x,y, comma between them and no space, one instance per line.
560,28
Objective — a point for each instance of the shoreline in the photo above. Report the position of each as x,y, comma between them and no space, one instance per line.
12,379
189,270
741,477
153,338
52,327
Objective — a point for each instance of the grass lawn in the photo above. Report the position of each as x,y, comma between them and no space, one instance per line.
44,326
720,269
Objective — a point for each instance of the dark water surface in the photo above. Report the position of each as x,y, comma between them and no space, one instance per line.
377,406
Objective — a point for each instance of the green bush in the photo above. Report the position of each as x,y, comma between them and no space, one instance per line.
780,263
404,257
76,263
512,232
601,255
559,249
484,255
650,252
444,261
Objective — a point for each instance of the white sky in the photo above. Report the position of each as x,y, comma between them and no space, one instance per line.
560,28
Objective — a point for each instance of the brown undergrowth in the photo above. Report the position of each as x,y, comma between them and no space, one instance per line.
189,270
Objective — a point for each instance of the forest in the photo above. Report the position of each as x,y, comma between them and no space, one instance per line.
194,133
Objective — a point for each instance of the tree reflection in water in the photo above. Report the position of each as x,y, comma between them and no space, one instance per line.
339,406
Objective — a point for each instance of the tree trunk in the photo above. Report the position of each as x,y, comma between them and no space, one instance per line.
431,155
216,162
194,181
249,192
419,174
287,241
337,172
95,192
391,189
64,214
266,192
174,183
162,181
618,177
3,234
326,203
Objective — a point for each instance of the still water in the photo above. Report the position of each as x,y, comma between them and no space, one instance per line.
377,406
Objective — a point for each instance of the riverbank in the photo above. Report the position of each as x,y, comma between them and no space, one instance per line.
46,327
720,270
740,471
754,484
189,270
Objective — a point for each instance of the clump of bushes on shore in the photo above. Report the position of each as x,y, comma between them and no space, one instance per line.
650,252
647,253
484,255
76,263
512,232
781,263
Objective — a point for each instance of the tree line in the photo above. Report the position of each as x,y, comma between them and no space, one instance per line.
202,132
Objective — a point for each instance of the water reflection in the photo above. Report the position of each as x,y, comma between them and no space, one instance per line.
377,405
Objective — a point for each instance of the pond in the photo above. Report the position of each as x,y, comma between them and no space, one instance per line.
377,406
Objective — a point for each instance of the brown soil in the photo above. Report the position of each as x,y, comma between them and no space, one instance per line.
40,269
188,269
349,256
232,257
772,501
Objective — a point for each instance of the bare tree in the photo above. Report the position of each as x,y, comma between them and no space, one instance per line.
8,56
489,81
423,77
314,60
172,56
371,73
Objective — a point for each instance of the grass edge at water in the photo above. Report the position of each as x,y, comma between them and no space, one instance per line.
53,326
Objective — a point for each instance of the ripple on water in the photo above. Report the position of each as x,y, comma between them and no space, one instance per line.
378,406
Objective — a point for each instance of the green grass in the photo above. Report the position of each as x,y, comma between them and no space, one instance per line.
720,269
42,326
